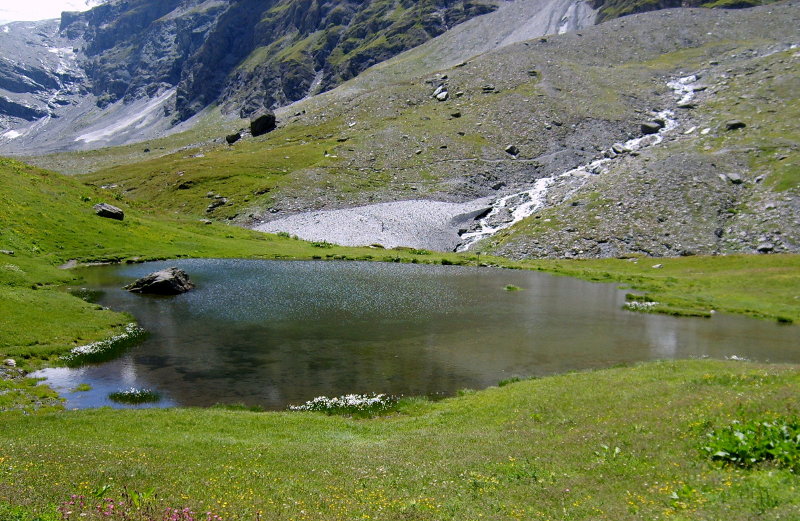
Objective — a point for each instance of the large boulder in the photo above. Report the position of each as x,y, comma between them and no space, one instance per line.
109,211
262,123
170,281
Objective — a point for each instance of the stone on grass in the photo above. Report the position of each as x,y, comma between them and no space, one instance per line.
170,281
233,138
512,149
734,124
262,123
109,211
734,178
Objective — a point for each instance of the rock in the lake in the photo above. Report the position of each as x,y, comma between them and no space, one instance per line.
652,127
170,281
109,211
262,123
734,124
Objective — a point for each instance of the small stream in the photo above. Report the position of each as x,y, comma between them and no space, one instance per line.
511,209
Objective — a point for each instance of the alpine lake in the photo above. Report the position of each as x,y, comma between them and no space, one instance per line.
276,333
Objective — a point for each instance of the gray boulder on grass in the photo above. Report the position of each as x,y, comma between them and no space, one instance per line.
262,123
170,281
734,124
109,211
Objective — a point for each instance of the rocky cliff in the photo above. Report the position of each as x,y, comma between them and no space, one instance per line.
127,70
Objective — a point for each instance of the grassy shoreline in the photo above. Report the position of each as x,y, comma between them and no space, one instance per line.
623,443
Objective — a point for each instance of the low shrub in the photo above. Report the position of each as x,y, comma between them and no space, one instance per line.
745,444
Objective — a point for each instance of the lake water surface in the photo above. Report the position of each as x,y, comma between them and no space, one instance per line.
274,333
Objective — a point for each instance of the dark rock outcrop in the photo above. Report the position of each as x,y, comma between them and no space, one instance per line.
109,211
170,281
268,54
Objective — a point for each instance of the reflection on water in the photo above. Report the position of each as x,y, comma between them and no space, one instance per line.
273,333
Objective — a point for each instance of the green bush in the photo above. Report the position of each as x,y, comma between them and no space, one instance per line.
745,444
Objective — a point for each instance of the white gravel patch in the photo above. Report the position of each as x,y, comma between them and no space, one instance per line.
431,225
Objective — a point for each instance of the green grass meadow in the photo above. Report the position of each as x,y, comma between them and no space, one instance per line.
624,443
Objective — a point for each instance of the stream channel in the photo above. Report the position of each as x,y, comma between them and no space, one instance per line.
275,333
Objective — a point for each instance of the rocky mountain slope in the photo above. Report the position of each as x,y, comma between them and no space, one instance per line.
129,70
725,180
527,112
132,70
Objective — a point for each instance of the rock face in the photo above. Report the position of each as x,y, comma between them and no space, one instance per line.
171,281
109,211
263,122
125,71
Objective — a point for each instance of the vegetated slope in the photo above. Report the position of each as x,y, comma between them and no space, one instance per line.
560,100
618,444
609,9
270,55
